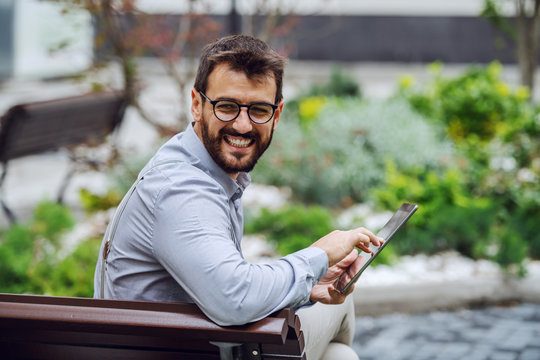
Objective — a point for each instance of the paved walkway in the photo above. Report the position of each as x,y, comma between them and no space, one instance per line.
491,333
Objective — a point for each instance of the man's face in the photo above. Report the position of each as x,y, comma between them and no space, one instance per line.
235,145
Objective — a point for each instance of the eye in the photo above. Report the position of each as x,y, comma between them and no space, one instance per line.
226,107
260,110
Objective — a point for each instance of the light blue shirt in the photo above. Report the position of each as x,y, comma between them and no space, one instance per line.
174,243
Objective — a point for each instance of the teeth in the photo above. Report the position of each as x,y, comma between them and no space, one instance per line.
238,142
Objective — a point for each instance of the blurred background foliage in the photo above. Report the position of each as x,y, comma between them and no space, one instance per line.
464,148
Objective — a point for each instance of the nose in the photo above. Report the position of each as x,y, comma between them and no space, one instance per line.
242,123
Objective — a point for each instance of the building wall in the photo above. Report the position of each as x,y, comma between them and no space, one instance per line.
374,38
38,39
399,39
6,38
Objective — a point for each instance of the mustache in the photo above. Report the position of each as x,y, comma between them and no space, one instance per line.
231,132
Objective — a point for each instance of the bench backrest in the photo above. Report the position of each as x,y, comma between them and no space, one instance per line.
44,327
37,127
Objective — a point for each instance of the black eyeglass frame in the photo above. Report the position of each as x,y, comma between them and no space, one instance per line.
240,106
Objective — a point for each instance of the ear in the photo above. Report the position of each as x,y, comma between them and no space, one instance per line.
196,105
277,113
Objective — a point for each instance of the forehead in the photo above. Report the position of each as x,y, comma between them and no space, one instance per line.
225,82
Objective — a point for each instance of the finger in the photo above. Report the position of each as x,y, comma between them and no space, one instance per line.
350,258
355,266
348,261
336,296
363,242
376,240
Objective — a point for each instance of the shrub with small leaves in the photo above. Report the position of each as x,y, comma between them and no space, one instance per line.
341,154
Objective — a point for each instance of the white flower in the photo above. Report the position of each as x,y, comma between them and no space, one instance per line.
526,175
503,163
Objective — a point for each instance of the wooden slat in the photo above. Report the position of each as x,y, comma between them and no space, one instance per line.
133,329
79,318
103,303
92,339
40,351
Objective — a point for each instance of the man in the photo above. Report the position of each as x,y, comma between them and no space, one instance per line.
178,237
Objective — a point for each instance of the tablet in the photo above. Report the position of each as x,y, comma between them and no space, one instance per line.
397,220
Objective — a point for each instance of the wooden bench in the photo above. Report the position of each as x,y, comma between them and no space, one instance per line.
34,128
45,327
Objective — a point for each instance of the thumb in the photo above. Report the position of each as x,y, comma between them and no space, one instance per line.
349,259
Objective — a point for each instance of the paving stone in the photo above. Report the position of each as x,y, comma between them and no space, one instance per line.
517,341
530,354
525,311
391,336
511,324
496,336
407,350
473,335
428,351
480,352
477,357
442,335
454,351
503,355
493,333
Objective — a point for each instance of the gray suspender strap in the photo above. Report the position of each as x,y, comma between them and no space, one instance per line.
111,229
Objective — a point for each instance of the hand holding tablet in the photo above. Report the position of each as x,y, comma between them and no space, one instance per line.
397,220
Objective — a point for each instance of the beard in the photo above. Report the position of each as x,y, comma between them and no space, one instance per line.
240,162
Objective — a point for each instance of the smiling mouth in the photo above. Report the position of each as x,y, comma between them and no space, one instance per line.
239,142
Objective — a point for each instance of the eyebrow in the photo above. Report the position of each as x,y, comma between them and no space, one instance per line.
242,103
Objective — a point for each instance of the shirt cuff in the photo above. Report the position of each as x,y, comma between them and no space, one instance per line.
318,261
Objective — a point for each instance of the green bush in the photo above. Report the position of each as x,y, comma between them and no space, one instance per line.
495,131
74,275
92,203
293,227
521,219
51,221
339,85
340,155
28,252
16,259
448,216
477,103
512,250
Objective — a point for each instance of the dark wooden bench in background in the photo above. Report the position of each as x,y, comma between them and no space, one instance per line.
38,127
45,327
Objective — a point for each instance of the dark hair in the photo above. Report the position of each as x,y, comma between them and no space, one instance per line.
242,53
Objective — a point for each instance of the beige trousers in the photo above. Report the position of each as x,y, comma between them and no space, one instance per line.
329,331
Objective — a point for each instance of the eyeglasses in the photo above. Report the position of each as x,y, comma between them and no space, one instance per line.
228,110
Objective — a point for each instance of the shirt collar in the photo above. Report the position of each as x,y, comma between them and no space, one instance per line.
194,145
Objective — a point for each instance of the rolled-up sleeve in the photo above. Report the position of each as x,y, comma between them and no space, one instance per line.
192,241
